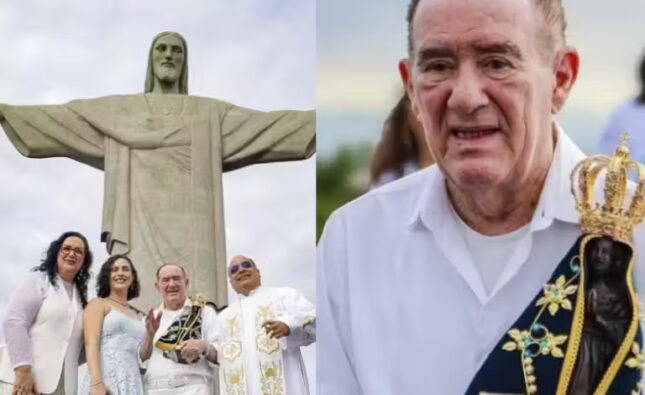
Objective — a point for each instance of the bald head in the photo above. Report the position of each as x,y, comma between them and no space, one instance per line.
243,274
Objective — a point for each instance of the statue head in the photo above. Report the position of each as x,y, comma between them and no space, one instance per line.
607,257
167,64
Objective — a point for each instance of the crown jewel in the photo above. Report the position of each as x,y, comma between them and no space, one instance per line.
615,217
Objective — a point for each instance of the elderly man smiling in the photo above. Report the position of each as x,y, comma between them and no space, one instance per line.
178,349
419,280
261,335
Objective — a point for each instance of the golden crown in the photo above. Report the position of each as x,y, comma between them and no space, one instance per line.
616,217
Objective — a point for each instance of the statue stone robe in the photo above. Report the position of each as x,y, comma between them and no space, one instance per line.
163,158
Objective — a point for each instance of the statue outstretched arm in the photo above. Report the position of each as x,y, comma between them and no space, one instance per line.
250,137
52,131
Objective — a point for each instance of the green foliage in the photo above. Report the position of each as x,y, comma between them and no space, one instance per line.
339,179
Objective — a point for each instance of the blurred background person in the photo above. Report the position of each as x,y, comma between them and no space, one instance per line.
402,149
628,117
114,331
43,329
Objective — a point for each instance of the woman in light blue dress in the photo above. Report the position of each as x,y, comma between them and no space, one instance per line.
113,332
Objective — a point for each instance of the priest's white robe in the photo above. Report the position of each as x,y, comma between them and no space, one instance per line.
251,363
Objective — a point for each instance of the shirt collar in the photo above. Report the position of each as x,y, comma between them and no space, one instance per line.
187,303
556,201
253,292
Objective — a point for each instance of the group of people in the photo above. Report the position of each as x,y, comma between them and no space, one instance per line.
50,329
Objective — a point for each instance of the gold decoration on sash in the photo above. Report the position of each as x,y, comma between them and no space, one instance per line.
184,328
267,352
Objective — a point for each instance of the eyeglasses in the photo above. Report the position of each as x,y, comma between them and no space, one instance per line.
246,265
68,250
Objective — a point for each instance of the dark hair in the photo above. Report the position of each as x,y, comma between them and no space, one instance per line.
103,280
49,265
641,78
170,264
552,11
183,76
397,144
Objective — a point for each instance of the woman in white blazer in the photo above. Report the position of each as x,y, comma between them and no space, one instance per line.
43,327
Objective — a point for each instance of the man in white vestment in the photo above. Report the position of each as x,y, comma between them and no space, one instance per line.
418,281
261,334
178,351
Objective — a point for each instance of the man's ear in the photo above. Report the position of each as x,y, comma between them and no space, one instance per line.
405,71
565,75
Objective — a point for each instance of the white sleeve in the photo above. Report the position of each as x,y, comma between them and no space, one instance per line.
299,314
334,360
22,309
210,327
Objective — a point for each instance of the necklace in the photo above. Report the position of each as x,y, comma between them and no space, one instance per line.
116,301
128,306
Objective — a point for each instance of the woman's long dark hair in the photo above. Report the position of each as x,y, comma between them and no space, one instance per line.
49,265
397,145
103,280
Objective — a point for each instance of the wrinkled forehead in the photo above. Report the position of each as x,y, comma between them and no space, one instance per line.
170,271
169,39
459,24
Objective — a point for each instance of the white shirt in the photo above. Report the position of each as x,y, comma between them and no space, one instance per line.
493,252
159,367
401,305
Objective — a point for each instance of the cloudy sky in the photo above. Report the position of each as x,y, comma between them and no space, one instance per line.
359,47
255,53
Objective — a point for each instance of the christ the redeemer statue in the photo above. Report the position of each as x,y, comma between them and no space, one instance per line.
163,153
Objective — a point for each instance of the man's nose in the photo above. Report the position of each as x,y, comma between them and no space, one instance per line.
467,95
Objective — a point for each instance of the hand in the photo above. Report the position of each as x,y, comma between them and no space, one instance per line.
152,323
24,383
276,329
99,389
192,349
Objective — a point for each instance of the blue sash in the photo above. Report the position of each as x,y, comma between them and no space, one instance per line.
537,355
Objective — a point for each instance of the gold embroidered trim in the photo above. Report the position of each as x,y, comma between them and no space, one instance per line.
628,341
555,297
636,361
575,334
577,325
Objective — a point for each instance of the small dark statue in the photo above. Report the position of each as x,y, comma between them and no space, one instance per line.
607,311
